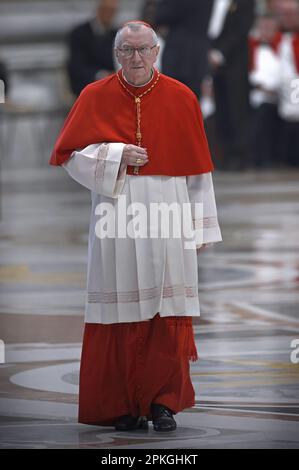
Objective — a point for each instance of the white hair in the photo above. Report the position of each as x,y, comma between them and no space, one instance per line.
133,26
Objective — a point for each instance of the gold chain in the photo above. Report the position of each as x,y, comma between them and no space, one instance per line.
138,112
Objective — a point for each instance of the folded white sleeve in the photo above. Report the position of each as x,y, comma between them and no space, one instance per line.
98,167
204,212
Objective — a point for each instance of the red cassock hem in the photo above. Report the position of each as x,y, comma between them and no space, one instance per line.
127,366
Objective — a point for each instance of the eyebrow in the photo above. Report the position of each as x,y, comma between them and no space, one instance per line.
131,45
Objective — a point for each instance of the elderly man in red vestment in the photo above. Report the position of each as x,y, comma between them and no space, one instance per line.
137,137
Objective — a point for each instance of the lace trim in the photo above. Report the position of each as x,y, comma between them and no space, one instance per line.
101,161
141,294
206,222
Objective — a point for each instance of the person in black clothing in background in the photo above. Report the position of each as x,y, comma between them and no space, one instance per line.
91,47
148,12
3,76
187,23
229,27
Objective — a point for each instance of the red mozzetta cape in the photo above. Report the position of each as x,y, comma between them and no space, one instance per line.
171,125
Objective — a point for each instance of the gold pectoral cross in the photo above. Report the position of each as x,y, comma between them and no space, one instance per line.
138,130
138,112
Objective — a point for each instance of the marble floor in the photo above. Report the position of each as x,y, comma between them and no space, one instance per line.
247,378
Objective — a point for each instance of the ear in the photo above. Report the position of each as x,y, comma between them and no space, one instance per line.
157,50
116,52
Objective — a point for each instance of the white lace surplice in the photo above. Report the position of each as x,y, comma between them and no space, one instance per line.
131,279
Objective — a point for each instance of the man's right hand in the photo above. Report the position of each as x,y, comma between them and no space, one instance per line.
132,152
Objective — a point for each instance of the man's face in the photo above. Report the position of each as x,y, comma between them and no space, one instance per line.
289,15
267,28
137,68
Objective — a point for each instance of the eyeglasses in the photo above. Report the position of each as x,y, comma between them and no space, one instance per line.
144,51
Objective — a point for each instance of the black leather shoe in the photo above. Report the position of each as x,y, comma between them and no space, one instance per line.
128,423
162,418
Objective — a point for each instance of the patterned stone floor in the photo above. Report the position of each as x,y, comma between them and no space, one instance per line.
247,386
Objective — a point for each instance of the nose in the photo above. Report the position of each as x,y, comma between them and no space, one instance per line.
134,54
136,59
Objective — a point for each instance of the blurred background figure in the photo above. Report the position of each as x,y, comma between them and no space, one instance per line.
288,103
274,77
148,11
264,79
186,42
91,47
4,75
230,23
148,14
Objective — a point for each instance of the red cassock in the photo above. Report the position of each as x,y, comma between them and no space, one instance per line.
127,366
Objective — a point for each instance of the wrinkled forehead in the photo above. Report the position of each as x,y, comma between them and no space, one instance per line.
142,37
